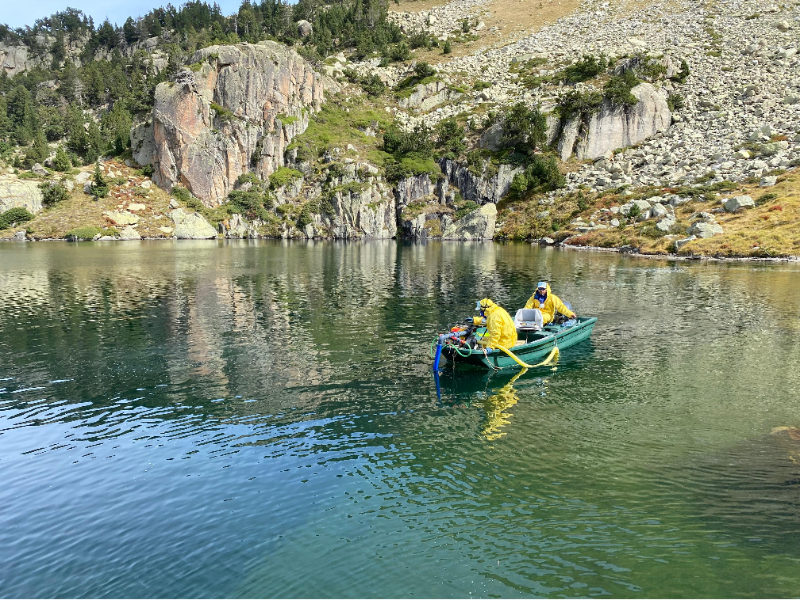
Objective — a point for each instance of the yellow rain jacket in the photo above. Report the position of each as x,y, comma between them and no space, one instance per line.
549,307
500,330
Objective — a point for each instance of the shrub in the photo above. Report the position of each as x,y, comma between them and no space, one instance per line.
450,138
419,39
585,69
284,176
99,184
447,49
306,217
83,233
251,204
181,193
577,104
524,129
398,142
423,70
373,85
53,193
222,113
540,175
766,198
399,53
618,89
650,69
683,74
481,85
14,216
61,162
675,101
463,208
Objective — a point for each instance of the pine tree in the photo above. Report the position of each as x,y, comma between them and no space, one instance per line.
99,183
61,161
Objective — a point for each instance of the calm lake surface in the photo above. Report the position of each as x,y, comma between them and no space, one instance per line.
200,419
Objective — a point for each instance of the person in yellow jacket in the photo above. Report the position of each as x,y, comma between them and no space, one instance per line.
500,330
548,303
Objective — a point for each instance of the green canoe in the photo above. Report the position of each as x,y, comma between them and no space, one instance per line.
534,349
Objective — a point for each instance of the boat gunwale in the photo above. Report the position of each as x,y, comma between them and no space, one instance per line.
542,345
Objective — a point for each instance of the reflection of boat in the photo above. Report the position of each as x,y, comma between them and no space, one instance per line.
536,346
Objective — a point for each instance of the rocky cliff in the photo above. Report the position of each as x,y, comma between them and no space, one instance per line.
615,126
233,111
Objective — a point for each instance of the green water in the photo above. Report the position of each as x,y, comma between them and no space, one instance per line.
204,419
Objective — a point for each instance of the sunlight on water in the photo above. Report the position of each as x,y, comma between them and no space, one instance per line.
259,419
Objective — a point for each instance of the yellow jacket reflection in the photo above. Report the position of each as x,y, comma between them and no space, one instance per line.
500,330
495,407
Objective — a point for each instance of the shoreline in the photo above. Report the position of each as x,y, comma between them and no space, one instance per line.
701,257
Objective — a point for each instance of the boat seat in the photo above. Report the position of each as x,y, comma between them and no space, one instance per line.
528,319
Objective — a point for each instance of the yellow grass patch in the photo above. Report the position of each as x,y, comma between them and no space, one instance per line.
83,210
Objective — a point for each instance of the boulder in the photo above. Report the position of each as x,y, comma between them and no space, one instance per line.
681,243
304,28
492,138
237,227
129,233
39,170
220,119
703,229
121,217
425,96
615,126
768,181
20,193
136,206
735,203
666,224
657,211
82,177
477,225
191,226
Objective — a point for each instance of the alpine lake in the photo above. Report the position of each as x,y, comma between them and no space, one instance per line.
260,419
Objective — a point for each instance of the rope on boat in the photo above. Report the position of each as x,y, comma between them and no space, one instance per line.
553,354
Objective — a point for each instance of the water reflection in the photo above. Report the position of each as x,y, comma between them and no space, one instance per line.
259,419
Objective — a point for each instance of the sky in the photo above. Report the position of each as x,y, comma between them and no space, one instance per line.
27,12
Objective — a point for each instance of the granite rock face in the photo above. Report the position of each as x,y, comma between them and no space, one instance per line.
234,110
477,225
19,193
479,188
370,213
614,126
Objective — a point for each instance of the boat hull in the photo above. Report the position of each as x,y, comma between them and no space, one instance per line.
533,352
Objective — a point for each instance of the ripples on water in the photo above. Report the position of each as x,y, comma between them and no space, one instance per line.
260,420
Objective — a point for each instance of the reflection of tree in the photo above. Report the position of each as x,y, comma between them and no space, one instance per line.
496,406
